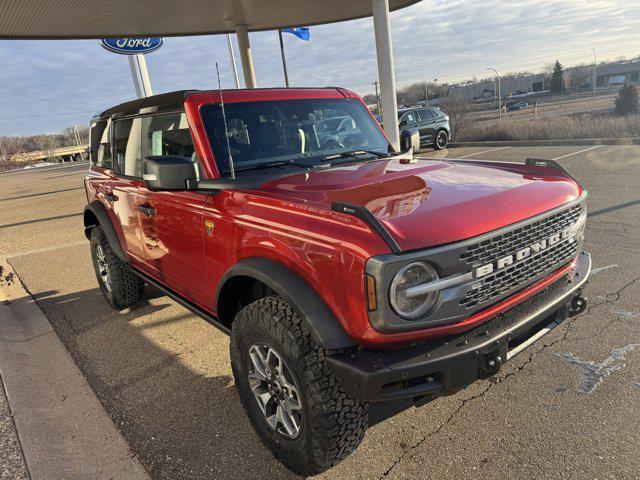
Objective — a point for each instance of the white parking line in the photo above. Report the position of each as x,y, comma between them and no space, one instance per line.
575,153
45,249
596,271
483,151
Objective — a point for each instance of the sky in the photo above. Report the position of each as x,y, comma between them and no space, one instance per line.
48,85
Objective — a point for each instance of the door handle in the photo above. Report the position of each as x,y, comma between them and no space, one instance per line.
110,197
147,210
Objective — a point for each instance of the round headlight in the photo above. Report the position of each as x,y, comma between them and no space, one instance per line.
406,302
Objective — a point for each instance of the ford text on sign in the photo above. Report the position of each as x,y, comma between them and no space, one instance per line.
131,46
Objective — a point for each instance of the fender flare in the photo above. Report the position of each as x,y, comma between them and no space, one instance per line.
98,210
323,325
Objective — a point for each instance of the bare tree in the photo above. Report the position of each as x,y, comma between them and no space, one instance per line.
547,70
458,109
14,145
577,77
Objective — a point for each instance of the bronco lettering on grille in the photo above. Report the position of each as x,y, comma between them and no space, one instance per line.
523,253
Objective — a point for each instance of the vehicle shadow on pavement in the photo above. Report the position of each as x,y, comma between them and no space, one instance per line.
163,376
379,412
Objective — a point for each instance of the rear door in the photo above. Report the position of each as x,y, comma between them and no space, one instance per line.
172,222
124,194
427,126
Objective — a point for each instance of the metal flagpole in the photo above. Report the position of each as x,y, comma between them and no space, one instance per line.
284,60
233,60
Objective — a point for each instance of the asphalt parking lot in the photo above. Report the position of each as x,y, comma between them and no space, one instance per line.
565,408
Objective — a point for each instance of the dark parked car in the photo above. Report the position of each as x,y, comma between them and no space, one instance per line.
517,106
421,127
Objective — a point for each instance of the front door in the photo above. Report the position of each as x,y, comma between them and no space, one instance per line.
172,224
124,187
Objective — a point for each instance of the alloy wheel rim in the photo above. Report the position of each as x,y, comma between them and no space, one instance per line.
103,269
275,390
442,139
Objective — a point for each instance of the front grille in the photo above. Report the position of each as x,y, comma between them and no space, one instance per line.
497,247
518,275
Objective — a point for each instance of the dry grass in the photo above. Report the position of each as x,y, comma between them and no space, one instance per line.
6,165
602,125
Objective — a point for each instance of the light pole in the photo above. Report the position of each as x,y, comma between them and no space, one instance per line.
595,62
499,93
426,94
377,97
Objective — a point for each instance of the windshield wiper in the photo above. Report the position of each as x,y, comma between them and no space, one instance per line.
354,153
278,163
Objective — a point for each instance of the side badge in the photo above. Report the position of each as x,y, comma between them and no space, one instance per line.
209,225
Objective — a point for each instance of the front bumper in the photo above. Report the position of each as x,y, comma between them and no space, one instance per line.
445,366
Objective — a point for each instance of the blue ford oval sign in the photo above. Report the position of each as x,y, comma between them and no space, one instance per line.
131,46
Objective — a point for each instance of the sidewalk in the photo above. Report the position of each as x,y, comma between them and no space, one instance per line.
12,464
63,432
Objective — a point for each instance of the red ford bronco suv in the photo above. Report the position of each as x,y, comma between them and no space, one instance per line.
345,272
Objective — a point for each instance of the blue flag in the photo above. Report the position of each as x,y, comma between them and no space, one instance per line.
300,32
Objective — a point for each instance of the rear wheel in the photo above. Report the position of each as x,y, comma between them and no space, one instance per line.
120,286
441,141
295,403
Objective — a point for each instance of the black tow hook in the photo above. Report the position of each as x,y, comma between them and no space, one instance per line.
578,305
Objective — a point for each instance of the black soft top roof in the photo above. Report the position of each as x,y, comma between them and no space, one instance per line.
170,100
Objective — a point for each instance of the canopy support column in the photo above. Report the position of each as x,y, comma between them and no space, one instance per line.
140,76
386,73
245,56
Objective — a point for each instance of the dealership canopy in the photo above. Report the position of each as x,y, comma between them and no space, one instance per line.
74,19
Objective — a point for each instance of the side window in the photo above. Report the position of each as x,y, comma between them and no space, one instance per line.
95,134
425,115
100,150
126,147
168,134
409,117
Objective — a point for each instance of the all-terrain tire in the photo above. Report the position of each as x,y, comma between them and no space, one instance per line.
122,288
333,423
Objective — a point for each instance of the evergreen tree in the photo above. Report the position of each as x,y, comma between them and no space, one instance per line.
627,101
557,78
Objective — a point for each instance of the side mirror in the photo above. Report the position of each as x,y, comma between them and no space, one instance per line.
403,123
168,172
409,141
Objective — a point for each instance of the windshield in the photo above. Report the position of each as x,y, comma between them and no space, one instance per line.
303,132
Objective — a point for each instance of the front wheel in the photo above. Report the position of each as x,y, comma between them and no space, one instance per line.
295,403
442,139
120,286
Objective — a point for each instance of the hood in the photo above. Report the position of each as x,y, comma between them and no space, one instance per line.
432,202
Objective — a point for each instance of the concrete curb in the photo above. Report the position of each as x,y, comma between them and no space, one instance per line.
63,428
549,143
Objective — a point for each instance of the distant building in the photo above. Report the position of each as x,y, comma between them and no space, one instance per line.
618,73
608,75
508,87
